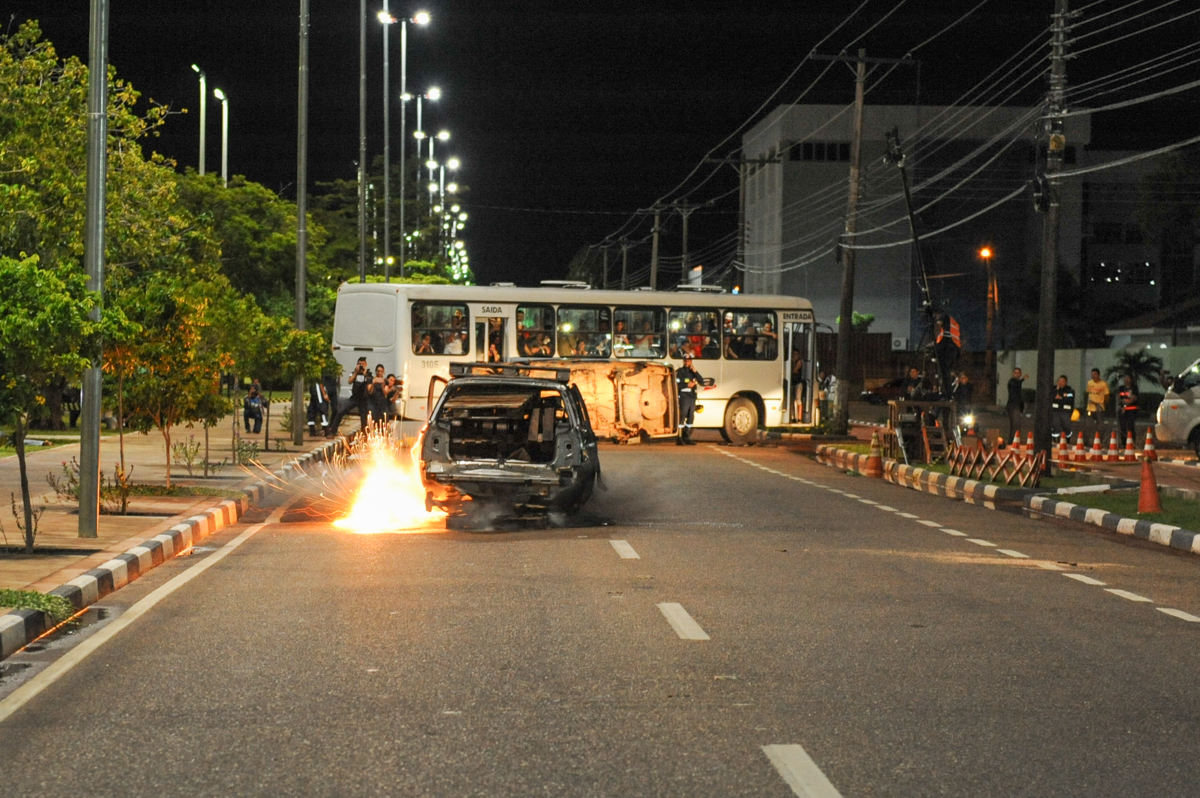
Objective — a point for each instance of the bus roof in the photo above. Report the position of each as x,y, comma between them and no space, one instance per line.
577,296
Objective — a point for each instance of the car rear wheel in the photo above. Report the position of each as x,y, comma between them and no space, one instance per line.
741,422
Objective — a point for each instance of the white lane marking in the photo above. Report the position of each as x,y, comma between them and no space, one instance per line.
868,501
851,496
1125,594
954,532
908,515
1011,553
934,524
684,625
799,771
625,551
26,692
979,542
1179,614
1050,566
885,508
1087,580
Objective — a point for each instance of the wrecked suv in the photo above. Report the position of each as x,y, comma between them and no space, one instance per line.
503,437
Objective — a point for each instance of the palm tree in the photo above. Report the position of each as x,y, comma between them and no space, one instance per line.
1136,364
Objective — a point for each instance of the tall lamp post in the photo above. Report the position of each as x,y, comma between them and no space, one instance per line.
220,95
993,299
387,20
420,18
203,113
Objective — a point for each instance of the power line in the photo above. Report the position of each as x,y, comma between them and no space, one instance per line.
1136,32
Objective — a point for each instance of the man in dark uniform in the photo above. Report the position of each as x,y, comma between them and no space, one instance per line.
1016,402
1127,407
1062,405
689,381
357,380
318,408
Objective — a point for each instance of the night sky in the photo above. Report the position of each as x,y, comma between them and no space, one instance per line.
591,108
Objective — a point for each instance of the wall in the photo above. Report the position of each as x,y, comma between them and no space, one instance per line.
1077,364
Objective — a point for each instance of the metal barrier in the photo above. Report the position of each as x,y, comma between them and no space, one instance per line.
978,463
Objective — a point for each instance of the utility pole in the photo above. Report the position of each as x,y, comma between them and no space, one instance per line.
741,164
93,261
1050,190
685,210
362,141
301,217
604,278
624,263
654,247
841,417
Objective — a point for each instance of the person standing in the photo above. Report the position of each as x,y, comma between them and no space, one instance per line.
1016,402
318,408
252,409
689,381
828,383
1097,400
964,394
1127,407
377,400
1062,405
358,396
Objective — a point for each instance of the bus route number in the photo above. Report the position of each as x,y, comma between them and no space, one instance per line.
429,364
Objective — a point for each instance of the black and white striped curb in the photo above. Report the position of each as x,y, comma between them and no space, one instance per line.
20,627
1162,534
922,479
1180,461
875,424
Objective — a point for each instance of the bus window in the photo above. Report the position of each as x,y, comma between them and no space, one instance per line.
751,335
535,331
584,332
439,328
696,333
640,332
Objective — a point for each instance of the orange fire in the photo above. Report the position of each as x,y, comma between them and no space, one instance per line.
391,498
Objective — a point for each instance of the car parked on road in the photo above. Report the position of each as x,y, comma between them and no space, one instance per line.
1179,413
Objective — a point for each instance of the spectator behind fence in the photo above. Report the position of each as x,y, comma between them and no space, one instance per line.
1016,403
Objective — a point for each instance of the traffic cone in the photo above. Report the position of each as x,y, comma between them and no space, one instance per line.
1148,501
1129,456
874,458
1094,454
1029,445
1148,452
1061,455
1015,446
1111,454
1080,455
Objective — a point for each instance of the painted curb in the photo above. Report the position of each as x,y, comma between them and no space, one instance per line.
1163,534
21,627
922,479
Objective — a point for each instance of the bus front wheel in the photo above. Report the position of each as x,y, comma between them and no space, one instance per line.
741,422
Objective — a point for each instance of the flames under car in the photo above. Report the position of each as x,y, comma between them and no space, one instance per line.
514,441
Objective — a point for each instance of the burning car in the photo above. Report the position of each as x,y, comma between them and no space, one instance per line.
499,436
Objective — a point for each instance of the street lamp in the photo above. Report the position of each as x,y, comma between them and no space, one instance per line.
203,112
386,19
993,300
443,135
420,18
220,95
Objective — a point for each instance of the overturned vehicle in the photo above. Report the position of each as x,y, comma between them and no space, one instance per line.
516,440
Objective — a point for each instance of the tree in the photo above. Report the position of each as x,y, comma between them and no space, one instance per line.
1136,364
45,332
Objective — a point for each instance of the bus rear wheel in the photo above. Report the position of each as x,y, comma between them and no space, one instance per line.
741,422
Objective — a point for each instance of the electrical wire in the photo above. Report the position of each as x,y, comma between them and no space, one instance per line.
1146,29
1145,98
1121,23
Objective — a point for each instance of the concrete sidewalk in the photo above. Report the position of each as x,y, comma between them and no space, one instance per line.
61,555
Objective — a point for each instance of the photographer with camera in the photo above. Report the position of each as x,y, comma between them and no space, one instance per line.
358,380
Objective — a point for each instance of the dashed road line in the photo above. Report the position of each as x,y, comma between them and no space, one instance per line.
868,501
797,768
1087,580
624,550
684,625
908,515
851,496
981,542
926,522
886,509
1049,566
1010,553
1125,594
1180,614
954,532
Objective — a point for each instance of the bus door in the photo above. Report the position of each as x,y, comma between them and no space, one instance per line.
798,378
491,339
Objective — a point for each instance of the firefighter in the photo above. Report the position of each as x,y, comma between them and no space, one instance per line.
1062,405
689,381
1127,407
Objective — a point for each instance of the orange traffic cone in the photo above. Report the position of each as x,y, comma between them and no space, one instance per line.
874,458
1129,456
1112,454
1080,456
1061,455
1148,452
1029,444
1148,501
1015,446
1094,454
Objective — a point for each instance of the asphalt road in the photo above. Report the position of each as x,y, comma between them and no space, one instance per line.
901,659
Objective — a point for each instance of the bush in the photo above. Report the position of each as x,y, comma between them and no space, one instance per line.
56,607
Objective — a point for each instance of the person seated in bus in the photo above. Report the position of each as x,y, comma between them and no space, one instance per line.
711,349
767,344
621,343
424,345
732,347
456,343
459,322
581,348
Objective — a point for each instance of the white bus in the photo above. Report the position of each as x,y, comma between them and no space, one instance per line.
746,344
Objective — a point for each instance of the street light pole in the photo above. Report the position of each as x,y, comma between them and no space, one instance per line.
220,95
387,19
362,141
204,113
989,340
301,217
